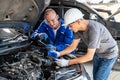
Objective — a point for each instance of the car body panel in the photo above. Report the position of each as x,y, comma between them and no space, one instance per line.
22,10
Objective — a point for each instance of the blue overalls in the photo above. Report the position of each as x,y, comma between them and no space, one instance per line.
64,35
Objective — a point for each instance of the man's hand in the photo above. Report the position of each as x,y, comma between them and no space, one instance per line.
42,36
39,36
53,53
50,47
62,62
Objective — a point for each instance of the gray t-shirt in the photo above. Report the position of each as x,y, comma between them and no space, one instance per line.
98,37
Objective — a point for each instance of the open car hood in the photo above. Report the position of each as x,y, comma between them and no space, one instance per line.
117,12
25,11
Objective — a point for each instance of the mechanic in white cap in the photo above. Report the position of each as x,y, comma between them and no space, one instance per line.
101,47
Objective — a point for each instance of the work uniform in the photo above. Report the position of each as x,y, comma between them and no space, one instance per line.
98,37
60,38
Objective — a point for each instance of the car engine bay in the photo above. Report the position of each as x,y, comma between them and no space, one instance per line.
32,63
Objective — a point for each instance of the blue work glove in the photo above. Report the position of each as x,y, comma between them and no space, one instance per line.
53,53
42,36
39,36
50,47
62,62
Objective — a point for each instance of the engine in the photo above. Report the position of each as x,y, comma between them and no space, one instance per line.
29,65
33,64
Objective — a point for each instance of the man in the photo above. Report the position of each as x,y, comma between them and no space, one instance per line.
52,27
102,48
